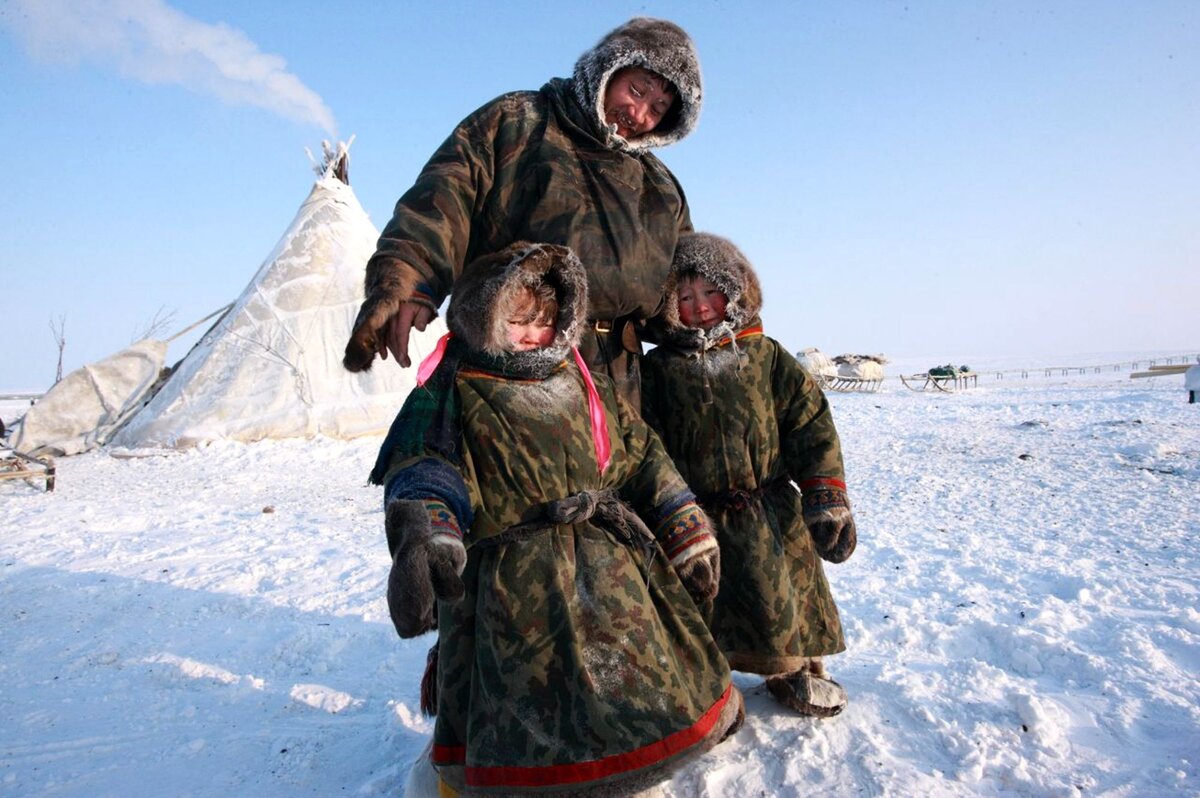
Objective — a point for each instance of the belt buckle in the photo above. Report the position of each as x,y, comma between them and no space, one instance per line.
603,326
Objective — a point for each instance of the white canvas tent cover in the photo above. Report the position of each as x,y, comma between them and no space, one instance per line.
271,367
83,409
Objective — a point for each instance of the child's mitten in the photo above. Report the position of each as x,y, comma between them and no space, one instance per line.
426,564
827,516
700,572
692,550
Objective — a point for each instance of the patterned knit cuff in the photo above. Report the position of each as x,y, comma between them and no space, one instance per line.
431,479
685,533
823,496
442,521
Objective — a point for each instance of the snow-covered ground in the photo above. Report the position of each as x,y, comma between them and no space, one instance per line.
1022,613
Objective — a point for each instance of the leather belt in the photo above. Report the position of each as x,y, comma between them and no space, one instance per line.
622,328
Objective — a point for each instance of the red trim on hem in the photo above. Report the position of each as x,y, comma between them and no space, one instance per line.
553,775
449,754
823,482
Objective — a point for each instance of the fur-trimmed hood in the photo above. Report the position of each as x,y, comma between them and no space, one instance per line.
720,262
483,296
654,44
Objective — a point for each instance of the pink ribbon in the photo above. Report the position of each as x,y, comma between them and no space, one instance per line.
430,363
596,414
595,407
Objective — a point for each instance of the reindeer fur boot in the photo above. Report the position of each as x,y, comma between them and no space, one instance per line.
809,691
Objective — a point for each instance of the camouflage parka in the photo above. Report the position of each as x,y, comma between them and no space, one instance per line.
543,166
745,424
575,662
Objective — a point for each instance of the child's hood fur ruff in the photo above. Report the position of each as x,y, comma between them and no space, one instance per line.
485,295
720,262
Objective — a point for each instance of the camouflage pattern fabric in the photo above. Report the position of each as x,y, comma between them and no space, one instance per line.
742,420
575,661
529,166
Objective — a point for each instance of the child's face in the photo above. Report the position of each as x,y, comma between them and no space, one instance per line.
527,330
701,304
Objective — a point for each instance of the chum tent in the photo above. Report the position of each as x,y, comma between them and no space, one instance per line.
83,409
271,366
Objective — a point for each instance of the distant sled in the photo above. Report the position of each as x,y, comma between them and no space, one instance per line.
943,379
845,372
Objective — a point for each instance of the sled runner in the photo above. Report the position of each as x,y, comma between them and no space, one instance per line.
14,465
842,383
854,373
946,379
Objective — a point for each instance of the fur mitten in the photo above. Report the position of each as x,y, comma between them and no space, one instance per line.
388,286
426,565
827,516
692,549
701,573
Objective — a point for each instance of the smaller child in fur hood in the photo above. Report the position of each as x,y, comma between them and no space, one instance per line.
571,658
743,422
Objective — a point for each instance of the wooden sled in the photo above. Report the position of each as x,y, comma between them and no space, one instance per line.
847,384
14,465
945,383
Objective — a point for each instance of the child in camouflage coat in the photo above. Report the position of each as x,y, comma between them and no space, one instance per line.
743,422
571,657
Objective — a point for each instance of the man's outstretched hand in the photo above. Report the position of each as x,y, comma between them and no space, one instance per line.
383,326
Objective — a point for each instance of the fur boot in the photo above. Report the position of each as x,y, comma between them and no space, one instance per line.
809,691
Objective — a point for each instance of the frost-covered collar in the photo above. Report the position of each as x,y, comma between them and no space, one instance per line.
657,45
695,341
720,262
480,305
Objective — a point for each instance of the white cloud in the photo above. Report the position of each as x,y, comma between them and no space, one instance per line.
149,41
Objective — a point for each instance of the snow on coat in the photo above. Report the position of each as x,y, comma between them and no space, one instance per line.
542,166
743,422
575,659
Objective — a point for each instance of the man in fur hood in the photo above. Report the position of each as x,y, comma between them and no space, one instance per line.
569,164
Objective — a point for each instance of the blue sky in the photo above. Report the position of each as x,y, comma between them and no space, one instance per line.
921,178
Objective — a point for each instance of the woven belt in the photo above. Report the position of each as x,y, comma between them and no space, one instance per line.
603,507
737,498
